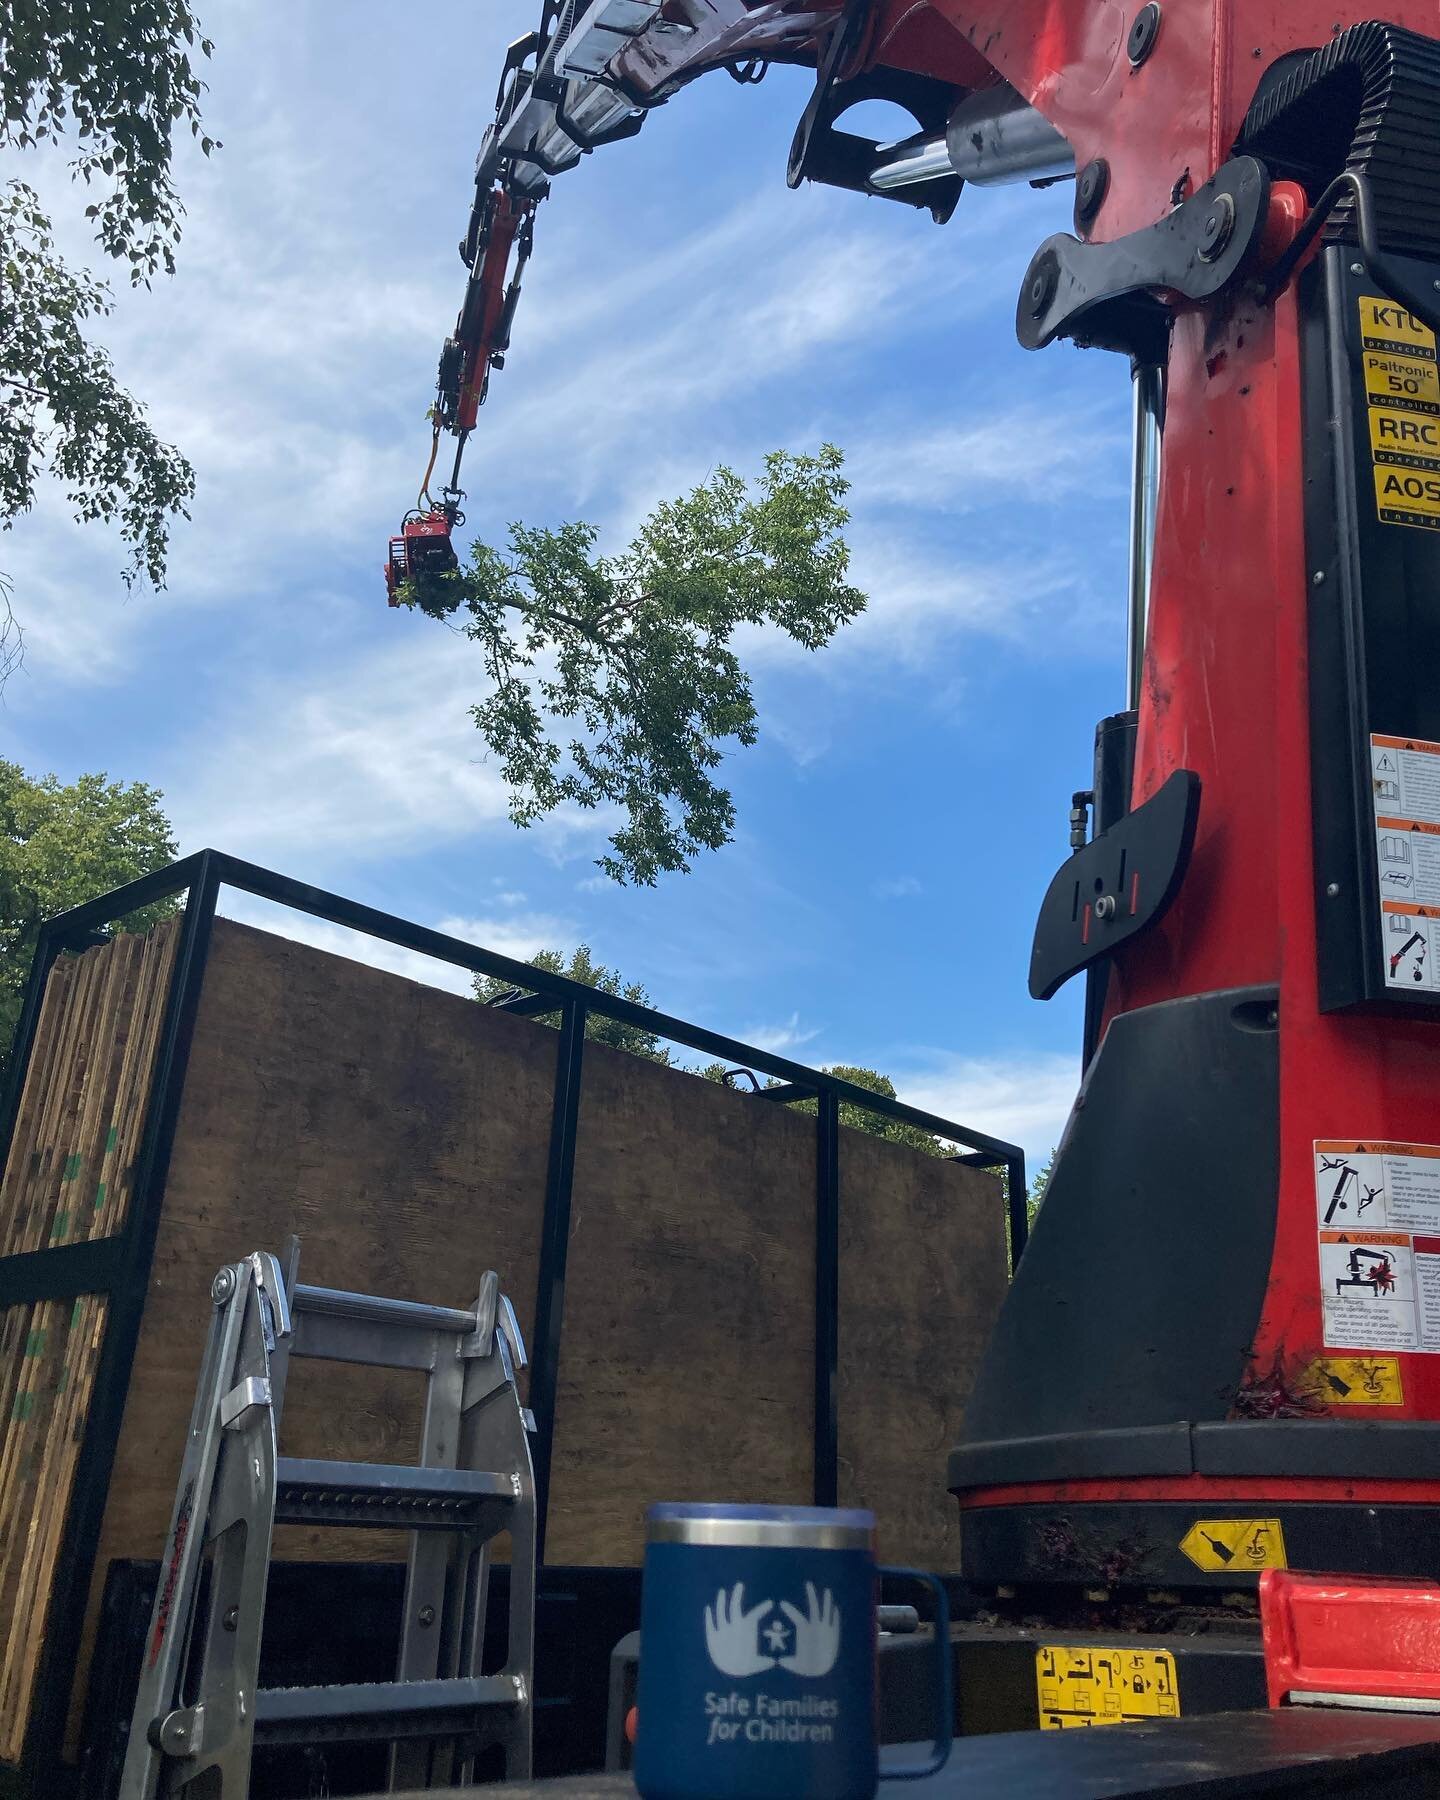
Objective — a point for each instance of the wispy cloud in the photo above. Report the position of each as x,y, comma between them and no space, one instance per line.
782,1038
897,887
376,757
1024,1098
513,935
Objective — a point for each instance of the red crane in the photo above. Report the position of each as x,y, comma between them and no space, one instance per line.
1257,233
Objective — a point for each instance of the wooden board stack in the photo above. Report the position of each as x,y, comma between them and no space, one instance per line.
68,1177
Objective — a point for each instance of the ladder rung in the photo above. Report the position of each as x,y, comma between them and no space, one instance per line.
394,1496
370,1710
374,1309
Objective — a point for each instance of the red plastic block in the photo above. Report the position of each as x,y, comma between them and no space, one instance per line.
1341,1634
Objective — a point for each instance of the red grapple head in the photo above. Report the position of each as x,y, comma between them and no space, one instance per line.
423,548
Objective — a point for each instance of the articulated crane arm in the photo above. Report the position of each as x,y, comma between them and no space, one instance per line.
589,75
1257,230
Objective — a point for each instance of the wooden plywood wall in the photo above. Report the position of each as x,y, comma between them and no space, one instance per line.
403,1132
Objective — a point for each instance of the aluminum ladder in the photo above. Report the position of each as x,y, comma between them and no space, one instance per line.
199,1711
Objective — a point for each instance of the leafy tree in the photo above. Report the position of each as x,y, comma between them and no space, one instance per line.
583,968
62,844
615,681
859,1118
119,80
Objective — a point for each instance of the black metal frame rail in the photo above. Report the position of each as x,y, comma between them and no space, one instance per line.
119,1266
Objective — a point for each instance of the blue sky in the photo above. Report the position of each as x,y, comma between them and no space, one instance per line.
906,804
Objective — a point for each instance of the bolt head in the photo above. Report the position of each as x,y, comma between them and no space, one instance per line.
1357,268
1216,231
1332,888
1318,578
223,1286
1143,32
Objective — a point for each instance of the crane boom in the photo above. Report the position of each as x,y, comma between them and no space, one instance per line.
1257,231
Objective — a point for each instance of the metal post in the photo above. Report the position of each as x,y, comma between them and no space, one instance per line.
1017,1205
554,1249
827,1300
122,1332
1148,412
47,948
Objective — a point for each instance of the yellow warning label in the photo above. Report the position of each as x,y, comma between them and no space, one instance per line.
1408,496
1383,322
1401,381
1409,438
1357,1380
1235,1544
1079,1685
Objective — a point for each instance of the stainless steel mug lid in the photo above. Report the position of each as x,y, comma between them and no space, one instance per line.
761,1527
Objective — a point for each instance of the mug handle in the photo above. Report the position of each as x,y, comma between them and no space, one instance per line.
945,1699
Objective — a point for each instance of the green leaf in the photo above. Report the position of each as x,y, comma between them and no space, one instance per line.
613,679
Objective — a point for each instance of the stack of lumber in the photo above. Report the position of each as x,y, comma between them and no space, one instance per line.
77,1136
68,1177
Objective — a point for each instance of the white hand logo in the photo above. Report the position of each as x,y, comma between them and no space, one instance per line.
731,1633
817,1638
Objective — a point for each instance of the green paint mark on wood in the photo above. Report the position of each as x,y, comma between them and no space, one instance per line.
35,1343
23,1407
111,1137
61,1226
75,1312
72,1166
99,1196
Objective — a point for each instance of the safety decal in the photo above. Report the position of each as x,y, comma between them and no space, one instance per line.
1405,785
1235,1544
1357,1380
1378,1219
1077,1685
1402,391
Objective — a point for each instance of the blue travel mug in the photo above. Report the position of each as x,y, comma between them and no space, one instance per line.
757,1656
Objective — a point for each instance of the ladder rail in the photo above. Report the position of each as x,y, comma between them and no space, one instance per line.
199,1709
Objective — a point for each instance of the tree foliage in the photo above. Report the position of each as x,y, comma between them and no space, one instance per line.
62,844
860,1118
118,80
615,680
582,967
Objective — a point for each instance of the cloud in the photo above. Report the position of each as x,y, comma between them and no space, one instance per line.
519,936
899,887
780,1039
1008,451
377,757
1023,1098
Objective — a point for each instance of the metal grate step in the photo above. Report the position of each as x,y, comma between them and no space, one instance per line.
368,1711
389,1496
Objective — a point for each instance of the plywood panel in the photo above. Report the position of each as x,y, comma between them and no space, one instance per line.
403,1133
687,1366
922,1275
400,1131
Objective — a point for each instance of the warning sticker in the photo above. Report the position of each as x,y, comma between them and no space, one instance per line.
1409,439
1406,772
1387,326
1408,497
1402,387
1076,1685
1357,1380
1405,783
1235,1544
1378,1213
1401,381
